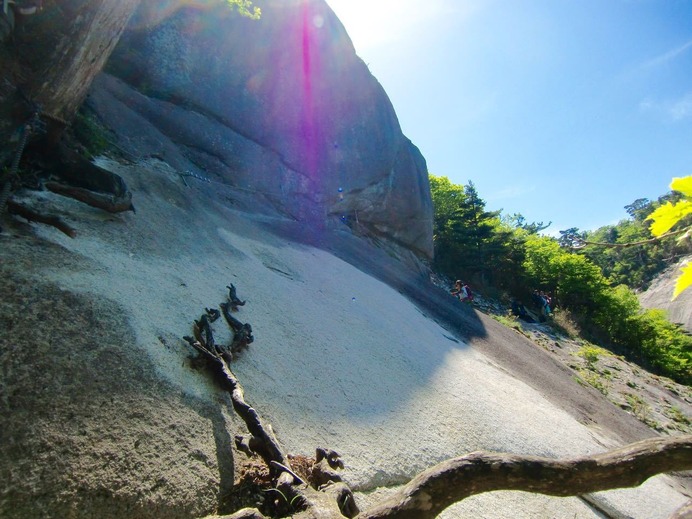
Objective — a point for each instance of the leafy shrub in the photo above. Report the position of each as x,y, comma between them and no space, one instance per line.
591,353
595,381
90,133
510,321
677,416
665,346
565,323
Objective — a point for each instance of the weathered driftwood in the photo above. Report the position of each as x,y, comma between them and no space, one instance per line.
454,480
449,482
233,298
110,203
263,441
32,216
242,332
334,498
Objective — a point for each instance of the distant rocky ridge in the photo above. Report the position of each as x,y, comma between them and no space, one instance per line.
660,293
281,107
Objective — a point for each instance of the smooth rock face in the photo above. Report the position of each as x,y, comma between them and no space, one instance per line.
104,415
88,428
282,106
660,292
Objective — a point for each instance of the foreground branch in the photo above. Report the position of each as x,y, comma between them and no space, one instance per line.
454,480
581,243
449,482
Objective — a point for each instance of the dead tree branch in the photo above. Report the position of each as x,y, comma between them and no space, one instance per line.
242,332
449,482
265,444
233,298
32,216
454,480
334,498
110,203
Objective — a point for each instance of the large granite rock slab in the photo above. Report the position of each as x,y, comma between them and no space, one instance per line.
281,106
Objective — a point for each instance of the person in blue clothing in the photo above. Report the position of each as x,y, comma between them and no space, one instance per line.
462,291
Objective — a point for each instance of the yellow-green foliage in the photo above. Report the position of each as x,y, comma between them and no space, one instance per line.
511,322
667,216
246,8
594,380
591,353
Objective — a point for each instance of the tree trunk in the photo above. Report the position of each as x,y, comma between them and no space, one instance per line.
66,45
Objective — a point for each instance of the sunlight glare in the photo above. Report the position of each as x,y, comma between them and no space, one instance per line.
372,23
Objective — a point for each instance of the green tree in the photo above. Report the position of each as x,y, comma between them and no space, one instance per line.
571,238
639,209
245,8
447,199
474,230
470,241
508,253
664,346
518,221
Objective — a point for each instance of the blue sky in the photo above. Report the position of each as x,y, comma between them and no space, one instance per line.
561,110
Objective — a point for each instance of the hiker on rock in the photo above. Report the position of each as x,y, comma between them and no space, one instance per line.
462,291
469,294
547,300
459,290
519,310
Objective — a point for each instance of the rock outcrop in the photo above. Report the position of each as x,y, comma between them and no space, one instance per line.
103,413
281,107
660,292
49,59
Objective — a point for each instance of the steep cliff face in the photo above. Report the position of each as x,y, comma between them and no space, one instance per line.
281,106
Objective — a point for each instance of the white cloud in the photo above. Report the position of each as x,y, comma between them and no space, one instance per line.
673,109
668,56
682,109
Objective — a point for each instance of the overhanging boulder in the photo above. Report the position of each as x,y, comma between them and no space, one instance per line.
282,106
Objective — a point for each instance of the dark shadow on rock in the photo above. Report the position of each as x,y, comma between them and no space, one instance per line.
83,411
513,352
413,283
224,451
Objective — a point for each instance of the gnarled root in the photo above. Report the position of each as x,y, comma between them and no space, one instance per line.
32,216
449,482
